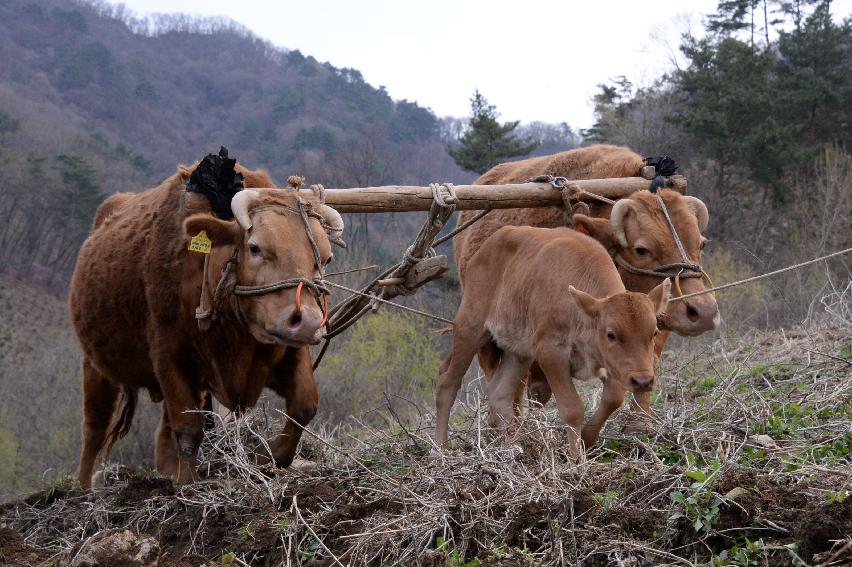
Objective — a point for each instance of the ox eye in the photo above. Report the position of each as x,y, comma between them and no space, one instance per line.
330,258
610,335
704,242
254,248
642,251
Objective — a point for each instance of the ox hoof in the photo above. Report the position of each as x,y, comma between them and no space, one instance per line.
98,480
302,465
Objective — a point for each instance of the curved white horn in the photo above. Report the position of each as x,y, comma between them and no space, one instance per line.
240,204
616,220
700,210
333,224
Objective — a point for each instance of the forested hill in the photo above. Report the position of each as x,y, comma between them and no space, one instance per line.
167,88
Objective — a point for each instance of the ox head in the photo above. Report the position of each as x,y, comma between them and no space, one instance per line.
272,243
638,232
625,327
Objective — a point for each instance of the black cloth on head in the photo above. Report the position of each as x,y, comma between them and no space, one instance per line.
216,179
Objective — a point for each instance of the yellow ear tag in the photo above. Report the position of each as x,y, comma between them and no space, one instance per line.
200,243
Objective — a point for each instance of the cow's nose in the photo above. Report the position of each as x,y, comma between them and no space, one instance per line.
641,382
702,314
301,325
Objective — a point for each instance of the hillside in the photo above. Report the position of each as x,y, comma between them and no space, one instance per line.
748,465
186,86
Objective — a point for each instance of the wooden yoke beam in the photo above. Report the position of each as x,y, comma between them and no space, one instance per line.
402,198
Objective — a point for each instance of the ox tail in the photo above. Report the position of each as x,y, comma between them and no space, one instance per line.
443,330
122,418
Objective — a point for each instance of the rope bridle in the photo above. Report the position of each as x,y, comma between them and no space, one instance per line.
676,270
228,285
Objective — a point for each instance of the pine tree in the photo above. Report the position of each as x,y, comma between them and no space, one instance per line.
815,75
729,108
486,142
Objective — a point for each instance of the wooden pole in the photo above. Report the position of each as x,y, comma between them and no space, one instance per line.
401,198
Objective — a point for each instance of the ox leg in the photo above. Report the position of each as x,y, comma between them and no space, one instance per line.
99,398
466,342
165,453
553,362
611,400
180,398
503,389
488,358
537,386
293,380
535,383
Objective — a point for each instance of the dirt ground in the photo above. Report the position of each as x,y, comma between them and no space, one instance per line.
748,463
774,511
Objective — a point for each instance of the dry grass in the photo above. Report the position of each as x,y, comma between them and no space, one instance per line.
750,462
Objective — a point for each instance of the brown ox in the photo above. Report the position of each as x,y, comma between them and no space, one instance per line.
520,295
635,229
133,298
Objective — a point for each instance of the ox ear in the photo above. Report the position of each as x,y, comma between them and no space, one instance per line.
660,295
590,305
599,229
221,232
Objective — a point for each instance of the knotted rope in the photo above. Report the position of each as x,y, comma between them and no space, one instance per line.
394,281
227,287
677,270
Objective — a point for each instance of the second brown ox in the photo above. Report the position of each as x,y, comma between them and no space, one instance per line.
133,298
553,297
635,229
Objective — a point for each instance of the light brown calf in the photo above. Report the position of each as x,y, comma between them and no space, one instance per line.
553,297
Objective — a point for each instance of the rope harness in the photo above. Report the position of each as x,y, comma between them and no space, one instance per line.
676,270
395,280
228,285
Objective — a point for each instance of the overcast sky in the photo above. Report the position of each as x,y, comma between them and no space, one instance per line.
533,59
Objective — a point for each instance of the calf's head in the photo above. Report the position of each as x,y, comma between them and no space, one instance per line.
273,244
637,231
625,326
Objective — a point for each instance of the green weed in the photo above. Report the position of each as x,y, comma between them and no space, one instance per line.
836,497
606,500
743,553
454,558
699,504
707,383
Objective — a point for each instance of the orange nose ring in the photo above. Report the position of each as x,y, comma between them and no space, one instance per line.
299,297
325,310
324,303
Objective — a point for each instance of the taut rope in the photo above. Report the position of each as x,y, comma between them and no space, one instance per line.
761,276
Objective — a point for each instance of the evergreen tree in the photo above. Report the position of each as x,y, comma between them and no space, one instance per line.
81,194
486,142
729,108
8,124
815,75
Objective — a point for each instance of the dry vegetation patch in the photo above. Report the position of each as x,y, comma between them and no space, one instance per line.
749,465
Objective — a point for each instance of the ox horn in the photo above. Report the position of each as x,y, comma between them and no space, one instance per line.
333,224
240,204
699,209
616,220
